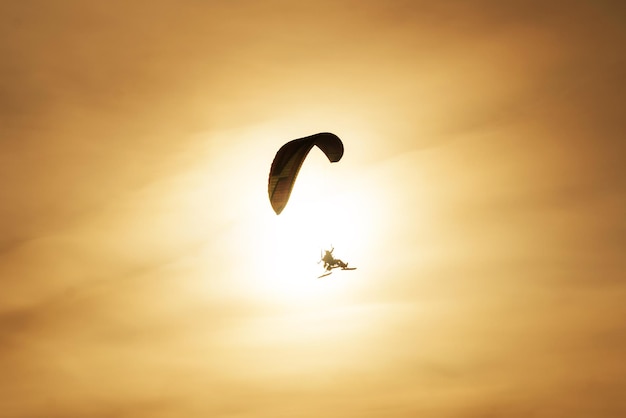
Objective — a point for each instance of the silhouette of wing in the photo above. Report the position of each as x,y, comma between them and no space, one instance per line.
289,159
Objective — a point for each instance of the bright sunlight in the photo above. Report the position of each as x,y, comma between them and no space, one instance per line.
325,210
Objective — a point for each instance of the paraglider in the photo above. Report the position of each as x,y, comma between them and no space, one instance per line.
330,263
288,161
284,171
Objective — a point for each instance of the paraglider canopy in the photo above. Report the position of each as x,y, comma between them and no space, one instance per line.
288,161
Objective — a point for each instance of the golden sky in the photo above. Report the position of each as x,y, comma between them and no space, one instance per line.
482,196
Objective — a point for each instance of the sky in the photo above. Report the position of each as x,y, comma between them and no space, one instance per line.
481,196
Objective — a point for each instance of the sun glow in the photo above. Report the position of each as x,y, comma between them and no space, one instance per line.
273,259
324,210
